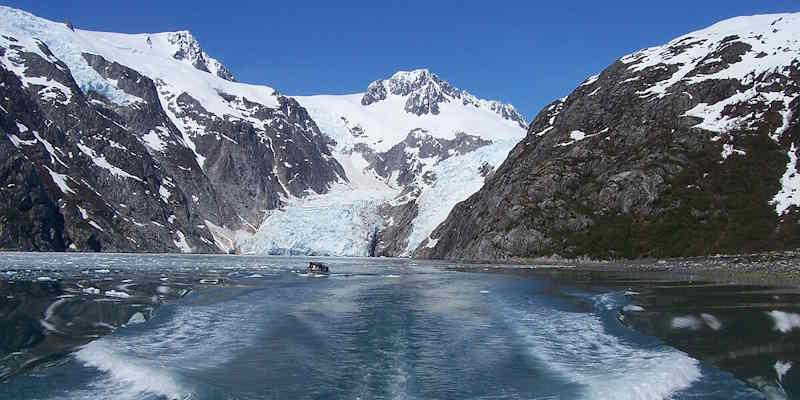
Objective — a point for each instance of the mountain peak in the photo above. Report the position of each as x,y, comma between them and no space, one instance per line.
424,91
412,74
180,45
186,48
421,75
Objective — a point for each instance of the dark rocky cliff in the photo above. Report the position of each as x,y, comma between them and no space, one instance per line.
87,169
684,149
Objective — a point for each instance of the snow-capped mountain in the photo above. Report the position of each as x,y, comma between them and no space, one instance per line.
116,142
183,46
681,149
412,146
144,142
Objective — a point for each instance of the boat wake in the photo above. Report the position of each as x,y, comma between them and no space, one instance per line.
127,377
578,346
159,359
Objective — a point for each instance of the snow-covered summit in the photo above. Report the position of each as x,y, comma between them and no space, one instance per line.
423,92
186,48
174,60
180,45
391,108
738,48
412,147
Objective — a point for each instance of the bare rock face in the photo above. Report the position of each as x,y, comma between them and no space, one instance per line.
102,168
684,149
405,162
408,165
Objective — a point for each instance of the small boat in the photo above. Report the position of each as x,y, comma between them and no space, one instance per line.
317,268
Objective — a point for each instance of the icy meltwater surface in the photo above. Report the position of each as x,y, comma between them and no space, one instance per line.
257,327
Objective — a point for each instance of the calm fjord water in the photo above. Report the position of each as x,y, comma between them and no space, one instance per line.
257,327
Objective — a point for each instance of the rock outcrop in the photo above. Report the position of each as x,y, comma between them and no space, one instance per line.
683,149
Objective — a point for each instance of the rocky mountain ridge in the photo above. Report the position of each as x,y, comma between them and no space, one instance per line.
119,142
144,142
424,91
682,149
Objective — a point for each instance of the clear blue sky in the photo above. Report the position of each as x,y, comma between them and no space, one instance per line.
522,52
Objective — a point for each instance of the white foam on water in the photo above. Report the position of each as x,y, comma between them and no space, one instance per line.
153,361
577,346
117,294
686,322
128,377
781,368
712,321
48,314
784,321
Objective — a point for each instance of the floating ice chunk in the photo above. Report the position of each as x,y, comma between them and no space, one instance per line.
91,290
632,308
711,321
102,271
117,294
784,321
688,322
136,318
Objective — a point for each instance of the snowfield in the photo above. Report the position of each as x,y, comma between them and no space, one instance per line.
385,123
343,222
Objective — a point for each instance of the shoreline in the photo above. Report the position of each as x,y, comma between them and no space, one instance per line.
778,267
781,269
